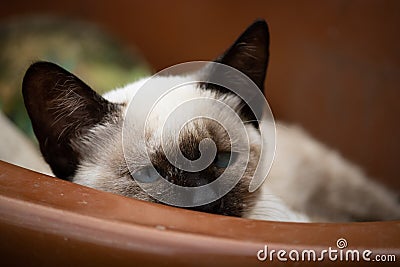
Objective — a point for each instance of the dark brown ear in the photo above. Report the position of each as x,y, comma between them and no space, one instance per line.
250,53
61,108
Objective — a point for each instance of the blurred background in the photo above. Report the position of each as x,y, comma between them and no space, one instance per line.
334,67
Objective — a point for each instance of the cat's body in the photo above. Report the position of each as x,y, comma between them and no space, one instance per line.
316,180
80,134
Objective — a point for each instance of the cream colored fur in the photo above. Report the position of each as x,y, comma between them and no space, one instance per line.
17,149
316,180
308,181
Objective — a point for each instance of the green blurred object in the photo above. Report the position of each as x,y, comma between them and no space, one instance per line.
83,49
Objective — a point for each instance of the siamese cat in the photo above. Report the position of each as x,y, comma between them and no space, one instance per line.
80,137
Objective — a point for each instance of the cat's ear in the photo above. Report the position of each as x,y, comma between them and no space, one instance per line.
250,53
61,108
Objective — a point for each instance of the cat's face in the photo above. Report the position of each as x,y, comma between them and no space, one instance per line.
81,134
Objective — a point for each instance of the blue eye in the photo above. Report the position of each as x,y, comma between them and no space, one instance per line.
146,175
223,159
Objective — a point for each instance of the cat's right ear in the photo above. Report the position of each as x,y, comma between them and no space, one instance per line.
61,108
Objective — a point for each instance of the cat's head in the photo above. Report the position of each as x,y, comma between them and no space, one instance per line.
81,133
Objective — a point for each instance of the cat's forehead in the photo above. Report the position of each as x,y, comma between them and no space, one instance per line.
174,107
187,113
175,89
126,93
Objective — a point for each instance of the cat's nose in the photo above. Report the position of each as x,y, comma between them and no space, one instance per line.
195,180
200,182
187,180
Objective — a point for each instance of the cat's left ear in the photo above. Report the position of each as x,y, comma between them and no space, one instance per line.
250,53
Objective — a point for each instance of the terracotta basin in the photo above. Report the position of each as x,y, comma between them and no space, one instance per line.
49,222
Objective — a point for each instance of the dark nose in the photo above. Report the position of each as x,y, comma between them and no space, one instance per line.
194,179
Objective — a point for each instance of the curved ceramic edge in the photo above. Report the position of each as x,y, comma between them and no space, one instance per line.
50,222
